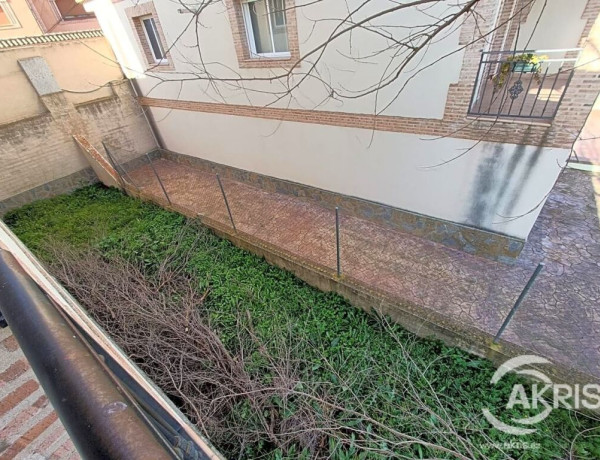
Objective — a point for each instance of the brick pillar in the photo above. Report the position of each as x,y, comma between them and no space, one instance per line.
138,134
62,110
64,113
459,94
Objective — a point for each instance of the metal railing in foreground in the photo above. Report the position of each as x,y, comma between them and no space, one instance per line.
107,405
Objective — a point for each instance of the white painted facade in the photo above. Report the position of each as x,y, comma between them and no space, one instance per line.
487,187
561,25
346,160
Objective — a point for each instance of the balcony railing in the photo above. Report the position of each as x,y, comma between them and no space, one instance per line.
522,84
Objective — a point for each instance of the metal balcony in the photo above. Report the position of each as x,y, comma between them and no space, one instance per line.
522,84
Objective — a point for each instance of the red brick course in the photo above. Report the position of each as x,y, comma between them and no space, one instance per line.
14,371
10,343
54,438
11,400
500,131
28,423
30,436
18,423
561,133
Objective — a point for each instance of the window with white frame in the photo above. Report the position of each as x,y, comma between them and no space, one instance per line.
266,27
153,39
7,17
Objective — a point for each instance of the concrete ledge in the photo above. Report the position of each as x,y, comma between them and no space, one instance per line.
471,240
29,119
100,100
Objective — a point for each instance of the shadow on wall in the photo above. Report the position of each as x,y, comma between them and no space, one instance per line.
501,182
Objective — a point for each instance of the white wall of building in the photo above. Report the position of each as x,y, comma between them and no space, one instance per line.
556,25
488,187
424,96
484,188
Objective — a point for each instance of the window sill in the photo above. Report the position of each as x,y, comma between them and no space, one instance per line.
267,62
81,17
518,121
280,55
74,25
164,67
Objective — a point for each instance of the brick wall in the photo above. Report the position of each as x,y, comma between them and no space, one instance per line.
40,158
57,86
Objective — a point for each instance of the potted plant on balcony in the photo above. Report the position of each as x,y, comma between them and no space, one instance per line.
519,63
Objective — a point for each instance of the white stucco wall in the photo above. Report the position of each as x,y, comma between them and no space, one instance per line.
478,189
488,187
559,25
19,99
424,96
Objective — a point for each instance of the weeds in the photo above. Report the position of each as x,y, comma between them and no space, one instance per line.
268,366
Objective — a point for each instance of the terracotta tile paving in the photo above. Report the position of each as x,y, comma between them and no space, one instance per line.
560,319
29,427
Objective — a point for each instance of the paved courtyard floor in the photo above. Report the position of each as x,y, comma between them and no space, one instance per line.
29,427
560,318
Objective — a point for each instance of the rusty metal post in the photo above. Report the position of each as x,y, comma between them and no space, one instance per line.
519,301
158,177
226,202
114,165
337,240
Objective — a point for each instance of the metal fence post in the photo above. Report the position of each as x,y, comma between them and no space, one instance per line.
150,124
337,240
226,202
519,301
157,176
129,177
114,165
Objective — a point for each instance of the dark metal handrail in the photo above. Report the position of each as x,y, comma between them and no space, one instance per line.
103,420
